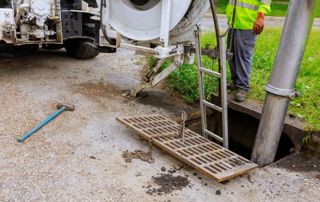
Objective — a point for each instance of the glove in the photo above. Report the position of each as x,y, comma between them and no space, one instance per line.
259,24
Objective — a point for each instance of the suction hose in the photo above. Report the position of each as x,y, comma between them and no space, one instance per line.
215,20
103,5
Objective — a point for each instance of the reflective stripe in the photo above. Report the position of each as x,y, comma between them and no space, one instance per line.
266,1
244,5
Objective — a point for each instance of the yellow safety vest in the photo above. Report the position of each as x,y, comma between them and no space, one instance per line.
246,12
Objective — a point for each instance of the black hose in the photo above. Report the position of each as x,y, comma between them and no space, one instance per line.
232,25
217,30
103,27
215,20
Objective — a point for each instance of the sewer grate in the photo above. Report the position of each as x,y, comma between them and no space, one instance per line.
198,152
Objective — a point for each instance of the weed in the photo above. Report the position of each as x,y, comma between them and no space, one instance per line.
306,139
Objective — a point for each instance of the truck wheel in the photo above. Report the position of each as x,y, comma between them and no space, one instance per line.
76,49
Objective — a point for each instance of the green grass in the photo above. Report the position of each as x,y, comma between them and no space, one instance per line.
278,7
305,107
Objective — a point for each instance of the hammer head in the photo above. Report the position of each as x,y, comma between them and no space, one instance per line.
69,107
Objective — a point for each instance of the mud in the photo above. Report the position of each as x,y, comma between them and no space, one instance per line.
168,183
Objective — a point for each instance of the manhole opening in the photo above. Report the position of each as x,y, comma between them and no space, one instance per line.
242,133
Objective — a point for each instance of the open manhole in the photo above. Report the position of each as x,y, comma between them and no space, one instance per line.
242,133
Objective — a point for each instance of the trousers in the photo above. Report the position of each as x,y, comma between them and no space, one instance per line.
242,46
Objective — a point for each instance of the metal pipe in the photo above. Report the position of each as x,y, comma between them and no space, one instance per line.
165,23
224,94
281,86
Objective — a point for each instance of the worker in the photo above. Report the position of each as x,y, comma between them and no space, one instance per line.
248,21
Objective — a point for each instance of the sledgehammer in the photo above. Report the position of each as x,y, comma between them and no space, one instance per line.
61,108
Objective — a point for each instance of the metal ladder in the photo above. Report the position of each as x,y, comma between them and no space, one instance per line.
222,75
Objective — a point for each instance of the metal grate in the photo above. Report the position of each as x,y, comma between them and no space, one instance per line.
198,152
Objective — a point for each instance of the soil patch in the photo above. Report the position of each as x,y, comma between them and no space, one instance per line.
167,184
96,90
160,99
299,163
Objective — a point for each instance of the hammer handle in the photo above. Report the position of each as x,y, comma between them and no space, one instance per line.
43,123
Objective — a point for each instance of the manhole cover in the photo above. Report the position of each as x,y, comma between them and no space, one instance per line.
198,152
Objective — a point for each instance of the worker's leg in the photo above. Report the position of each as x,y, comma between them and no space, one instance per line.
244,42
232,64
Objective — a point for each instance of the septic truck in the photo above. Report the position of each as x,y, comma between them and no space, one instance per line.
87,27
26,25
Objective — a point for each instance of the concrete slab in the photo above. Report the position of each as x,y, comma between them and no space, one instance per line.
78,156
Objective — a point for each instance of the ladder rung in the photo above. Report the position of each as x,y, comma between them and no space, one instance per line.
213,106
211,134
210,72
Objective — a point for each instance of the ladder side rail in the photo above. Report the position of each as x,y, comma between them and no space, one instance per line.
203,108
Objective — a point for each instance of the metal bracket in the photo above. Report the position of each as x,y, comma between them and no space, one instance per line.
289,93
143,85
167,52
153,78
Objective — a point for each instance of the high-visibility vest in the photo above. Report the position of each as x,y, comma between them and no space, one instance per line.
246,12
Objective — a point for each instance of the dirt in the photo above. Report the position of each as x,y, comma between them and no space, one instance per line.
168,183
98,92
299,163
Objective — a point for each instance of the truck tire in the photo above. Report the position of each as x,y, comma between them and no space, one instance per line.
76,49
